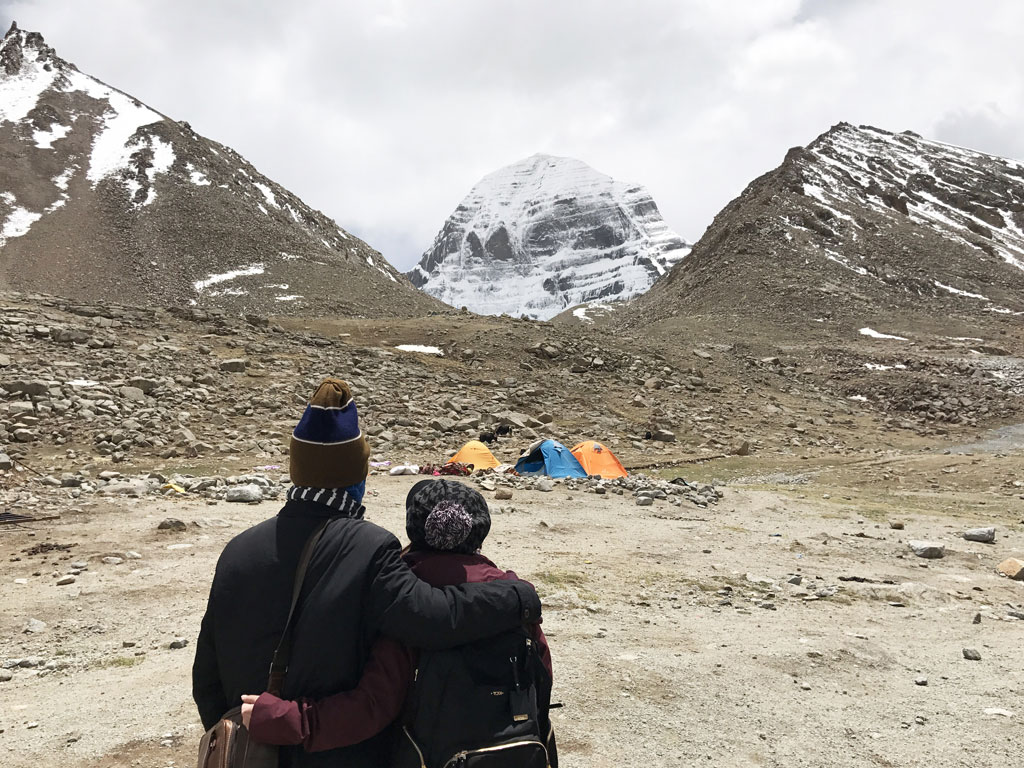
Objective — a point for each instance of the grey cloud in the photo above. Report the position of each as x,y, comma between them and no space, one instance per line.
384,114
986,129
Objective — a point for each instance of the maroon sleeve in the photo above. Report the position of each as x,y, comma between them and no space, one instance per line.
275,721
345,718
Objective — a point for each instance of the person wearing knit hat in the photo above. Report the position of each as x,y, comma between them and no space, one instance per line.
446,515
328,449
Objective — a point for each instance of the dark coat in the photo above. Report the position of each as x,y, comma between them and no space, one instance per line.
356,587
351,716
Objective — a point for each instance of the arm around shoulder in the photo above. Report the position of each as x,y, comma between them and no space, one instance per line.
410,610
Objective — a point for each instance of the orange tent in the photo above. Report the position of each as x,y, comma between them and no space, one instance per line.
598,460
476,453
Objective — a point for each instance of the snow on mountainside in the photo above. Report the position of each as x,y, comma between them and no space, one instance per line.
860,220
545,234
103,198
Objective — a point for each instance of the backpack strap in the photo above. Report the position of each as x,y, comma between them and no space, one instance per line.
282,654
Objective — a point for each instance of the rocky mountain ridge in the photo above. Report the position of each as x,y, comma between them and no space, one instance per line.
861,223
104,198
544,234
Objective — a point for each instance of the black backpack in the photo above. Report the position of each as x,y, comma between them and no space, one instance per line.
481,705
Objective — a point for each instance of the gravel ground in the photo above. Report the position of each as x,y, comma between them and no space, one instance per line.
677,636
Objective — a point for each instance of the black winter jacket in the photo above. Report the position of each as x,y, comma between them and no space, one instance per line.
356,587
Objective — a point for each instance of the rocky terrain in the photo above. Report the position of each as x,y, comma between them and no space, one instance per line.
105,199
751,571
862,226
545,234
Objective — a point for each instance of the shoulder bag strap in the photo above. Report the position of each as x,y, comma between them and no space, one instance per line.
282,654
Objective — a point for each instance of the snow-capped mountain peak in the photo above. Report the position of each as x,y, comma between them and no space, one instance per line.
105,198
544,234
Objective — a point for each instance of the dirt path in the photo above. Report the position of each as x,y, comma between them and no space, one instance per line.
676,636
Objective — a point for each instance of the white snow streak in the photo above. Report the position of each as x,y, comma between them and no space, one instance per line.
252,269
45,139
420,348
958,292
197,177
268,194
18,223
163,159
876,335
112,149
63,179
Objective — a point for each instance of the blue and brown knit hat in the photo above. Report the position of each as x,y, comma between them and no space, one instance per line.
328,450
446,515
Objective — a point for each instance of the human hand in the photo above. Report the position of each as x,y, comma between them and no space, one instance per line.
248,702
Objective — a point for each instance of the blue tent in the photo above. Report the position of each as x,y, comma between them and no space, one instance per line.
550,458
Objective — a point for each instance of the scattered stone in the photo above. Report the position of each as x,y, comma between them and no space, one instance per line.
921,680
34,626
178,643
984,535
6,463
644,501
135,488
977,619
236,365
998,711
244,493
971,654
172,524
146,385
503,494
5,675
133,393
65,580
1012,569
896,525
545,485
927,549
111,560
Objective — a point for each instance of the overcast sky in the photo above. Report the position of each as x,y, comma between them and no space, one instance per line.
384,113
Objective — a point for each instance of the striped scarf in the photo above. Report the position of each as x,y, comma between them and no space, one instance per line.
335,498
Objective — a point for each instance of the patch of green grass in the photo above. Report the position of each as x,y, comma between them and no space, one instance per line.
562,578
122,661
552,581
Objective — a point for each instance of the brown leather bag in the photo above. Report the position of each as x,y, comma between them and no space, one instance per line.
227,744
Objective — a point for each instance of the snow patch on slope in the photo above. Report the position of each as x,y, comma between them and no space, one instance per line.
45,139
876,335
206,282
17,223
